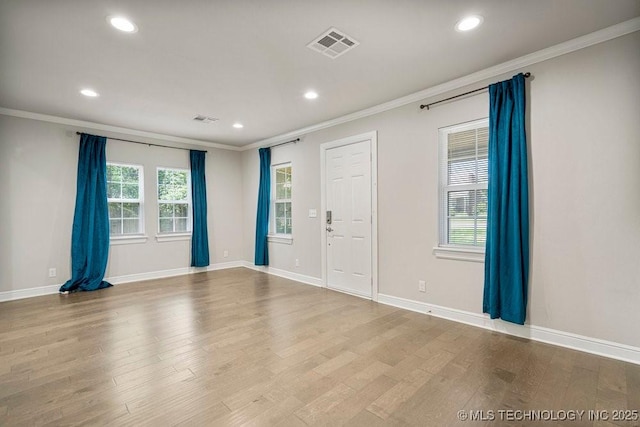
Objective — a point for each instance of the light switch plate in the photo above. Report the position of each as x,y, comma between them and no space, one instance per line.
313,213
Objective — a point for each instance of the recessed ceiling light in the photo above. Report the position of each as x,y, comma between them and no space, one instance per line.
122,24
238,125
89,92
311,95
469,23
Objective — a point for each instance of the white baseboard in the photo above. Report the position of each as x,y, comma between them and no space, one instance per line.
309,280
138,277
28,293
118,280
225,265
537,333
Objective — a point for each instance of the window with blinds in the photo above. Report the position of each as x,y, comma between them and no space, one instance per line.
281,199
463,184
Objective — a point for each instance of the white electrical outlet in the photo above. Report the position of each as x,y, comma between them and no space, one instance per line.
297,262
422,286
225,254
53,272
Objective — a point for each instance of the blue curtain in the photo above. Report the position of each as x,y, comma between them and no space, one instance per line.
507,251
90,234
200,236
262,219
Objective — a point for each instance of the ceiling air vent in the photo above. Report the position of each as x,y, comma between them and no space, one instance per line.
333,43
204,119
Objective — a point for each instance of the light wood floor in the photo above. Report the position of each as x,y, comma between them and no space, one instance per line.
238,347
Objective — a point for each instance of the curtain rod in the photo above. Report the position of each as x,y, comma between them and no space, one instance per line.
144,143
286,142
423,106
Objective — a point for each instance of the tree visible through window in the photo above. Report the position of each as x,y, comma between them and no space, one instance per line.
124,196
463,184
282,199
174,201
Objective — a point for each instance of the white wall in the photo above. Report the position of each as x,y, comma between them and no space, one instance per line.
584,141
38,164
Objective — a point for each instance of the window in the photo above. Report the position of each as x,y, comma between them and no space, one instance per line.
125,198
463,168
281,199
174,201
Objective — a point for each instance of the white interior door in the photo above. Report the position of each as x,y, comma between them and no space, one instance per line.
348,198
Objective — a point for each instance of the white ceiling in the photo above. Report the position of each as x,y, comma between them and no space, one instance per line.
247,60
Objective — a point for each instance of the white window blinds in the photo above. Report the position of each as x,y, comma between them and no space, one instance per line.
463,167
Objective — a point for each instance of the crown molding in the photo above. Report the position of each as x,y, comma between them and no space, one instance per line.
569,46
108,128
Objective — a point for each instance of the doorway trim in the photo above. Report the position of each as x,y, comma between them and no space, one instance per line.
373,137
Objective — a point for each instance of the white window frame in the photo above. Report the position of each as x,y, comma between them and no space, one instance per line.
139,237
174,235
273,236
445,249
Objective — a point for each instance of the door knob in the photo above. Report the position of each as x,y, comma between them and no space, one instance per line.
329,229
